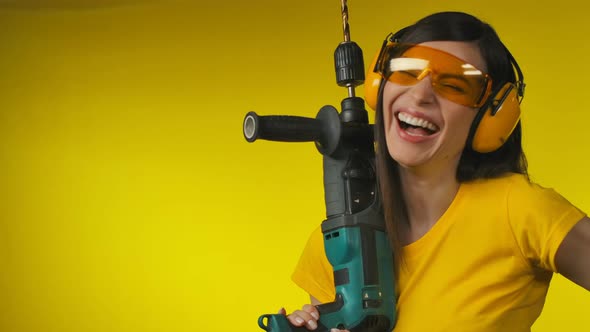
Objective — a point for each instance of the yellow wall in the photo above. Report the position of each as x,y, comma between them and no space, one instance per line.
130,200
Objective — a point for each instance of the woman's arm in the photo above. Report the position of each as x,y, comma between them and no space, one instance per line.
573,256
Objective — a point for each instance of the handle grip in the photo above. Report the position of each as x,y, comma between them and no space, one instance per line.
284,128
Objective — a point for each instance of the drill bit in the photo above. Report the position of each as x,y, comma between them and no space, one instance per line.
346,26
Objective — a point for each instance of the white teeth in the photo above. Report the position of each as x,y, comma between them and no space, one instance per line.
417,122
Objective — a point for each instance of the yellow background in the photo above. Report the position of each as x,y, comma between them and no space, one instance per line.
129,199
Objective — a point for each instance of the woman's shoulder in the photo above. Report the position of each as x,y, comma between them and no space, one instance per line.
512,187
504,181
515,188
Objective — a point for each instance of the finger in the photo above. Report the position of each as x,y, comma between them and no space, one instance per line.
312,310
302,318
296,320
282,311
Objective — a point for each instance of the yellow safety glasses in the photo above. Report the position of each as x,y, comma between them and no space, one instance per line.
452,78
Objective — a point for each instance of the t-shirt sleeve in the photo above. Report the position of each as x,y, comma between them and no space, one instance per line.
313,273
540,219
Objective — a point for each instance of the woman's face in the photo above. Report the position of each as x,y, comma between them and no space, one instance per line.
423,129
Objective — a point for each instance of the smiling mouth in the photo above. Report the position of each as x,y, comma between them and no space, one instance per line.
416,126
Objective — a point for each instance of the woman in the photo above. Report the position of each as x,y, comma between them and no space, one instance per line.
475,242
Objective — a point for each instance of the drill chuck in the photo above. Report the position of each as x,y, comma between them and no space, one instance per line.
349,65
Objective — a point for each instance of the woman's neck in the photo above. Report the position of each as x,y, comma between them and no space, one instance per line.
427,195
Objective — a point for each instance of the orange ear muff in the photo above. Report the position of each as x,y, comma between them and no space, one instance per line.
372,83
496,120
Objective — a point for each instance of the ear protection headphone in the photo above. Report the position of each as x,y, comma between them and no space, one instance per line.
494,121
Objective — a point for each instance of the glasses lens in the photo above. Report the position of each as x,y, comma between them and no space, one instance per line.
452,78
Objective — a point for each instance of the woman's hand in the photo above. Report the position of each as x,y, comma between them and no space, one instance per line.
308,317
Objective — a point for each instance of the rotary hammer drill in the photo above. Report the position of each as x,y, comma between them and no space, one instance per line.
355,238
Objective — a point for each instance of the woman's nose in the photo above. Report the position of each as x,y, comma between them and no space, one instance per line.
423,91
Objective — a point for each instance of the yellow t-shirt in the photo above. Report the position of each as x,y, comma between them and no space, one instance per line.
484,266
